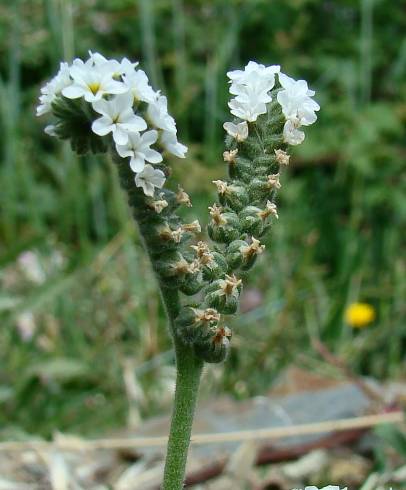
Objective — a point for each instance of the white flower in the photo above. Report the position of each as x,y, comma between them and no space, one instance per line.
157,113
248,111
50,130
171,144
237,131
118,118
291,134
93,79
117,68
138,83
150,178
252,72
53,88
138,148
296,101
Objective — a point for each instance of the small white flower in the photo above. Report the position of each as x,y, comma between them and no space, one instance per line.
150,178
53,88
138,84
249,110
171,144
296,101
118,118
291,134
237,131
138,148
50,130
252,72
93,79
157,113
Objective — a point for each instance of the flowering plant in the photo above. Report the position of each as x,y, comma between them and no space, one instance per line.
102,105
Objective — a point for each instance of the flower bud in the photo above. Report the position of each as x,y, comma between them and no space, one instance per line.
233,195
234,255
183,198
216,347
224,226
282,157
215,268
193,227
194,324
273,181
223,294
193,279
258,189
230,156
270,210
172,268
251,221
250,253
213,264
241,169
158,205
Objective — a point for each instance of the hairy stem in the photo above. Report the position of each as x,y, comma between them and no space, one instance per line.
189,369
188,365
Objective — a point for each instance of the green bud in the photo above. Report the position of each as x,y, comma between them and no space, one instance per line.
215,268
194,324
173,268
259,190
234,255
192,283
232,195
223,294
224,226
251,221
215,348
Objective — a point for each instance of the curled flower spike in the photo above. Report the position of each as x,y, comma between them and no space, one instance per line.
131,113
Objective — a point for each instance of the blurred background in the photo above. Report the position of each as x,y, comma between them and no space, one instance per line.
83,344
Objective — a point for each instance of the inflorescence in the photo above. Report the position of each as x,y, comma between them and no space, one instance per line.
104,105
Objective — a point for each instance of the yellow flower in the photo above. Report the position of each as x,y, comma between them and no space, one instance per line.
359,315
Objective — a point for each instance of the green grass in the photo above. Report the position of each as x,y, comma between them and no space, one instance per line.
342,205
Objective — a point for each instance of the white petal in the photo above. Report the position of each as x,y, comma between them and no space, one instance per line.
102,126
103,107
120,135
150,137
152,156
135,124
137,163
73,91
124,151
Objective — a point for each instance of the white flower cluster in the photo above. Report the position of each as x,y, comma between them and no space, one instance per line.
130,110
251,88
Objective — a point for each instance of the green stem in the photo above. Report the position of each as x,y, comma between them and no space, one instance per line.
188,365
189,369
